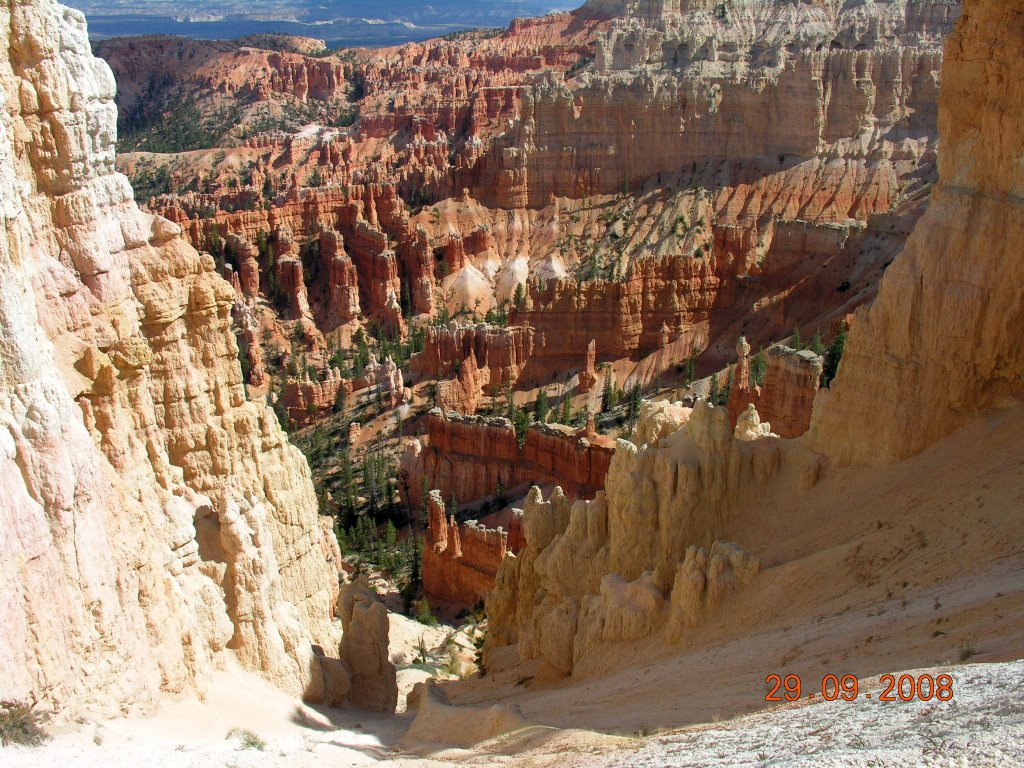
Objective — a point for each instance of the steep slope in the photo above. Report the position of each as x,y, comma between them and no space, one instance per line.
943,341
152,516
944,337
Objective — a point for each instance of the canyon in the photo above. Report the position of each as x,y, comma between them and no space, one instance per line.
504,292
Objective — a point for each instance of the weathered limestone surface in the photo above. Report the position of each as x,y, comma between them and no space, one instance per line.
153,518
943,338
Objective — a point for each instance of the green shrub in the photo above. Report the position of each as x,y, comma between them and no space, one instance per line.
21,723
247,739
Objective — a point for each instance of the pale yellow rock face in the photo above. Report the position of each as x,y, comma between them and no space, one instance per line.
152,519
633,561
945,337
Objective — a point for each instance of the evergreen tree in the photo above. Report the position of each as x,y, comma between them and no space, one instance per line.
691,369
816,345
758,367
713,392
521,423
412,584
542,407
500,494
609,395
797,341
519,297
424,501
566,416
833,356
633,408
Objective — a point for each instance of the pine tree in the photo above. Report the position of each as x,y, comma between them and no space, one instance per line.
500,494
412,585
519,297
833,356
521,423
566,408
758,367
713,392
424,501
542,407
816,345
609,395
797,341
691,369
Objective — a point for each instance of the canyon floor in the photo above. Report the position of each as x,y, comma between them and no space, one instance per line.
982,726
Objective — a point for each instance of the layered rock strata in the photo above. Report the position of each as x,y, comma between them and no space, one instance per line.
460,560
942,339
786,398
470,457
154,520
602,571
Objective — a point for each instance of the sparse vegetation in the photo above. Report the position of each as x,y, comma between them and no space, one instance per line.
247,739
967,650
21,723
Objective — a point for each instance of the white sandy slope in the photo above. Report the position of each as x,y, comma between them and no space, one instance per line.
983,726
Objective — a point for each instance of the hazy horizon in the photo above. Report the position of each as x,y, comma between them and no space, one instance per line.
341,23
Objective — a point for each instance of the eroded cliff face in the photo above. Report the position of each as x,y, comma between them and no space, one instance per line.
153,518
942,340
474,456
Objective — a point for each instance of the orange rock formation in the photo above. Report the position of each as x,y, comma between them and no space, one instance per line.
460,559
469,456
786,399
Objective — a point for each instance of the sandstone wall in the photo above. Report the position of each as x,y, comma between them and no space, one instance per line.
154,519
460,560
635,559
943,338
786,399
467,456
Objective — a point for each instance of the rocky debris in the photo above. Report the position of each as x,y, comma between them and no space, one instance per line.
470,456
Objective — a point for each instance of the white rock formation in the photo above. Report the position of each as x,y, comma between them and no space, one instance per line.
151,518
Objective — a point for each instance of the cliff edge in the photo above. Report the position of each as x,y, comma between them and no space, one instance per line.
153,519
